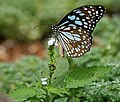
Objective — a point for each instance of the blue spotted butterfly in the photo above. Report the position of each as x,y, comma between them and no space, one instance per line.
73,32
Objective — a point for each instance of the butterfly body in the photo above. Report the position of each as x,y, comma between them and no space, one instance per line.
73,32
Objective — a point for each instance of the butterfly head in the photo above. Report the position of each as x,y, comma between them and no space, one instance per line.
54,29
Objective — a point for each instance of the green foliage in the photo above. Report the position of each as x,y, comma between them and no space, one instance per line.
72,79
18,18
83,76
58,91
22,94
100,92
62,67
84,79
27,70
110,5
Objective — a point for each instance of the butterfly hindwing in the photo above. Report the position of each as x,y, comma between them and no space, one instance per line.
76,43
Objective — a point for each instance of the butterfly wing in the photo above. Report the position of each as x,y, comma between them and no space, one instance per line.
85,17
76,27
75,43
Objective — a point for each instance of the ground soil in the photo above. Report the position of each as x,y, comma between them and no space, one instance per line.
11,50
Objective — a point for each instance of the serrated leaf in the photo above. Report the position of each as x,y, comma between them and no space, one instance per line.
62,67
83,76
61,99
58,91
21,94
59,81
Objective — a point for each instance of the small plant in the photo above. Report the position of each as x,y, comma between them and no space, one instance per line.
60,79
57,80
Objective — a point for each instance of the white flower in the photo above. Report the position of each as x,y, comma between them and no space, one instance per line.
52,41
44,81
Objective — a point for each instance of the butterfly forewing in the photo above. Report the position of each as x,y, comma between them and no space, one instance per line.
83,16
74,30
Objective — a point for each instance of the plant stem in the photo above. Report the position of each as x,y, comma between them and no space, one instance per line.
51,63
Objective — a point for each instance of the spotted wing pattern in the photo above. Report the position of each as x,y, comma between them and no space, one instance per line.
74,31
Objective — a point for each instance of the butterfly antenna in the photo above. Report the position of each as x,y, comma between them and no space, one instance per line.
36,26
49,25
42,25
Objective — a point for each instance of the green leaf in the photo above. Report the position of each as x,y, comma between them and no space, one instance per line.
63,99
58,91
59,81
83,76
33,66
21,94
62,67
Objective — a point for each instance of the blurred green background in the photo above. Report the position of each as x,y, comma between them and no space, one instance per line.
18,18
17,21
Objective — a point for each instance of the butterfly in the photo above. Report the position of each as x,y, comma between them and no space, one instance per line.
74,31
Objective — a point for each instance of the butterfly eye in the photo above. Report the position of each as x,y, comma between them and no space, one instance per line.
74,31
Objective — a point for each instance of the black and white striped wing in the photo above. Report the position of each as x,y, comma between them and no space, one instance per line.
76,27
